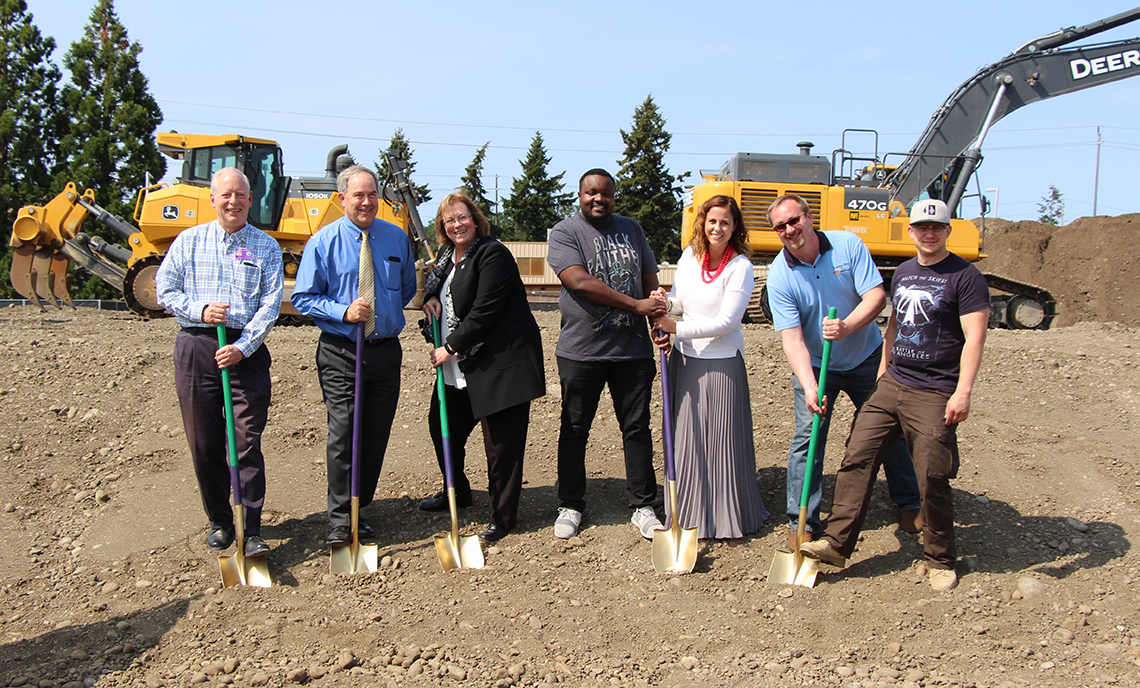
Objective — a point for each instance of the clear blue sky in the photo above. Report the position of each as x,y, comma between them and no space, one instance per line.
727,76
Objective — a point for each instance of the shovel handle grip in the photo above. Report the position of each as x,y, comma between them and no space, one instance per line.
231,436
440,391
817,418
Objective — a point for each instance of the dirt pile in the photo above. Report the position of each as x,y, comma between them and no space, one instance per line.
1087,265
105,579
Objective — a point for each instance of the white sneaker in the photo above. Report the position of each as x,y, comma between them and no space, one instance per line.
566,525
646,521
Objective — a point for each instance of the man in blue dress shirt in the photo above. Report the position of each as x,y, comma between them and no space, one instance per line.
225,272
328,290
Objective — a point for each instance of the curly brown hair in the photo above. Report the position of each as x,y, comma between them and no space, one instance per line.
482,225
739,239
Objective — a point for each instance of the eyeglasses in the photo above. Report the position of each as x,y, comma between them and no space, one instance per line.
453,222
792,222
930,227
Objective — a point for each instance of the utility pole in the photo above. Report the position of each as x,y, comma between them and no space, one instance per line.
1096,177
497,222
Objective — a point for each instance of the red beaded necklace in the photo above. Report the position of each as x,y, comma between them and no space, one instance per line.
710,277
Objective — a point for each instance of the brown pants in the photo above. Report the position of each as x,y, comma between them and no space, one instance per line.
918,414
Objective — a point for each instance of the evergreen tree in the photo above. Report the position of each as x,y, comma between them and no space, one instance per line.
1051,209
30,122
472,182
537,200
109,144
646,191
398,146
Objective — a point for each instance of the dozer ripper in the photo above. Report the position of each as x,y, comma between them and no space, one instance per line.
45,239
870,195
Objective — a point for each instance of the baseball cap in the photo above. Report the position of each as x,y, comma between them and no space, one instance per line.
929,210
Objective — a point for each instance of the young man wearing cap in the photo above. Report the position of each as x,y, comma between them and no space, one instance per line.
931,356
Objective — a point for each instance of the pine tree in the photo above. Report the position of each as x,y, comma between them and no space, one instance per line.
472,182
646,191
398,146
537,200
1051,209
109,144
30,122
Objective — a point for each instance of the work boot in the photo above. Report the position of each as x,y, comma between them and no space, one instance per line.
911,520
822,550
808,537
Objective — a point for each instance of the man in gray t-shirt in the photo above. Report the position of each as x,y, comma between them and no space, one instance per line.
607,270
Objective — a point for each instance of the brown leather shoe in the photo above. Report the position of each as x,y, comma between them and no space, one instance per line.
911,520
792,539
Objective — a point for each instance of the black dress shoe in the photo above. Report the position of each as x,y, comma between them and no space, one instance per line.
255,546
439,501
494,533
364,531
220,538
341,535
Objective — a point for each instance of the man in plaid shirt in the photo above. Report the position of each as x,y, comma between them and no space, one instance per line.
225,272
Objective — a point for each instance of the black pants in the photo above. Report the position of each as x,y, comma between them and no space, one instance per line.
199,384
504,441
630,385
336,365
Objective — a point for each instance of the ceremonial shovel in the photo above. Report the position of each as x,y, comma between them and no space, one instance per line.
355,557
238,569
791,568
674,548
454,552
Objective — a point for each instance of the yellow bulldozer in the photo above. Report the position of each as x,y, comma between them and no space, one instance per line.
45,239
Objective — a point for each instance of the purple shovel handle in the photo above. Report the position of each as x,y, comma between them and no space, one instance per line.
667,416
357,410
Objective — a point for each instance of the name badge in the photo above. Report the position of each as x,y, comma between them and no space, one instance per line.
244,254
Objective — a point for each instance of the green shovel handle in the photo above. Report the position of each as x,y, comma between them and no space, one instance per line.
818,417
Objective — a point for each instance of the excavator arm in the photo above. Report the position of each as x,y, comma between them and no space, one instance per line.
1042,68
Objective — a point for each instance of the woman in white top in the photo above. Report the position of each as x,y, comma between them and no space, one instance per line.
714,453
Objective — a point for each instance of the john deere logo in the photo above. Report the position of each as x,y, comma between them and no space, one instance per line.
170,212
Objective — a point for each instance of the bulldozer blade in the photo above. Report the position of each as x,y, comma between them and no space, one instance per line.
793,568
60,280
41,268
23,273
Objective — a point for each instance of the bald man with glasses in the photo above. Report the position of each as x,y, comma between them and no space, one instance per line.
815,271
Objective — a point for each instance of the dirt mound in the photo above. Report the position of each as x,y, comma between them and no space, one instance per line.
1086,264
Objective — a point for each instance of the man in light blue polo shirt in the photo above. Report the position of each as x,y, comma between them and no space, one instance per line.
814,271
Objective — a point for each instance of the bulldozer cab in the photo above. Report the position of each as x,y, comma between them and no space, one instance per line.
259,161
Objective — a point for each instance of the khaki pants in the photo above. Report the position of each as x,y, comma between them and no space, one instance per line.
895,409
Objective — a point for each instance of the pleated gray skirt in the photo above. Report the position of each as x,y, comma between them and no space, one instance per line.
714,456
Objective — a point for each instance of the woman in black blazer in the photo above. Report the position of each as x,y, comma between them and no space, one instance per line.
491,357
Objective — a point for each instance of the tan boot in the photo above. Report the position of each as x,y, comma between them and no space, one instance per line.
911,520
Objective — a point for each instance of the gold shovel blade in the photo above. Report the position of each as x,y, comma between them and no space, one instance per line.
242,570
345,560
459,552
675,549
793,568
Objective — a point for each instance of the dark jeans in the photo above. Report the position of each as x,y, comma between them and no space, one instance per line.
336,365
896,410
858,382
504,442
630,384
199,384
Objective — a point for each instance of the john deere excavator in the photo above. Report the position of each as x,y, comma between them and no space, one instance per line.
290,209
870,196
